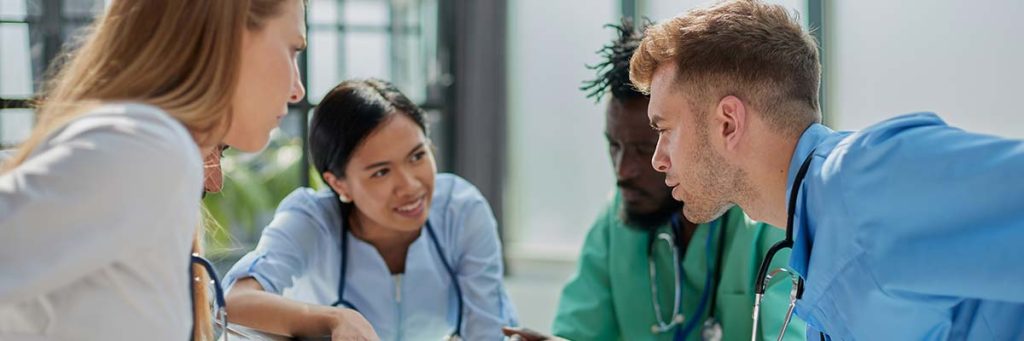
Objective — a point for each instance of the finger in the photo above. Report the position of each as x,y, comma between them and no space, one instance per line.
509,331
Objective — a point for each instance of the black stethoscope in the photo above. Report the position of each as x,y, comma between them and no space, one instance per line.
764,277
343,247
712,329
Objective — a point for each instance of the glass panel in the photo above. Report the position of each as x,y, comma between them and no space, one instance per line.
18,9
406,12
365,12
408,66
15,61
429,45
323,12
367,55
291,124
436,134
82,8
324,69
72,31
15,126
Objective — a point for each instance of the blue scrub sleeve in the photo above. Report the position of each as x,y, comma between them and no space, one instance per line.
937,210
480,270
284,249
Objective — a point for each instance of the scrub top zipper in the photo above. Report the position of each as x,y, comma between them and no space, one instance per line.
398,304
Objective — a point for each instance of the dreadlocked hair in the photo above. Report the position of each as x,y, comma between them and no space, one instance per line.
613,72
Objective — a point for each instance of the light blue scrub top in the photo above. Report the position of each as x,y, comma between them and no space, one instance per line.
298,257
910,230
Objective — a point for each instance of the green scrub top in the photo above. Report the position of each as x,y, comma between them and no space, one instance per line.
609,298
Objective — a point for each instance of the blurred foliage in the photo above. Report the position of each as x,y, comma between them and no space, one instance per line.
253,186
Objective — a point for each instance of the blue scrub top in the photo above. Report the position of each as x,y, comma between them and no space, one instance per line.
910,230
298,257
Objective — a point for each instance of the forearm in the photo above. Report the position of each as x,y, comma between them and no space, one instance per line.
250,306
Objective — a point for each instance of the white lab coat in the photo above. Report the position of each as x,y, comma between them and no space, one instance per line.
96,229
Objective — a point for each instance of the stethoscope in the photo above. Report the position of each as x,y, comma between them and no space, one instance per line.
220,312
343,247
764,277
712,329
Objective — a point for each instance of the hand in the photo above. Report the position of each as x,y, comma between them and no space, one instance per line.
526,334
350,325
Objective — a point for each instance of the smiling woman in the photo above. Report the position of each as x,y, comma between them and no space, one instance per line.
387,219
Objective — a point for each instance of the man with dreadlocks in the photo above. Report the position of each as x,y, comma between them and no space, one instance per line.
645,272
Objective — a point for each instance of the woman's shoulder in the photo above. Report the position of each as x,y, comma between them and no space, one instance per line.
458,205
121,133
309,199
319,205
131,129
454,192
130,117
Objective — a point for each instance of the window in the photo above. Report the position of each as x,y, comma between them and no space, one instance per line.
395,40
30,37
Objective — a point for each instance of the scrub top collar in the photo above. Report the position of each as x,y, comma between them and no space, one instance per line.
812,137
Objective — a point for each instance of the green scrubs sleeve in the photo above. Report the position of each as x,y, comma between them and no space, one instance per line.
585,311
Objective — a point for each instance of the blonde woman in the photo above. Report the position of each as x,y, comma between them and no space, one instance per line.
99,207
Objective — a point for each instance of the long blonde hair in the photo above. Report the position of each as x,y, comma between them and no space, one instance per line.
181,56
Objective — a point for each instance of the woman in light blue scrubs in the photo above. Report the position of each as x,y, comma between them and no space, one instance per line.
413,252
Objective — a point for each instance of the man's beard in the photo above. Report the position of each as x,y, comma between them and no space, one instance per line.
650,220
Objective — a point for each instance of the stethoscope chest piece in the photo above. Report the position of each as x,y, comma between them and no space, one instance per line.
711,331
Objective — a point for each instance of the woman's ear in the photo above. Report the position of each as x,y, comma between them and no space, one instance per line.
339,186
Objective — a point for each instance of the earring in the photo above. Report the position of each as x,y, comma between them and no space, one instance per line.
344,198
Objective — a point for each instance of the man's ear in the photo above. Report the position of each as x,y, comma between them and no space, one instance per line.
730,122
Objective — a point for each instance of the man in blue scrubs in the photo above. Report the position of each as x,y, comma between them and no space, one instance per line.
909,229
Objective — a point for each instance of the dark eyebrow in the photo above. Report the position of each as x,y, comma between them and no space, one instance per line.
414,149
385,163
378,164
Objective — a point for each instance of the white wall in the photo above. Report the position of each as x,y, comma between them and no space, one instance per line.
962,59
559,174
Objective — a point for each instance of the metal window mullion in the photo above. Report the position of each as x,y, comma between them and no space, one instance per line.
816,10
303,108
51,24
628,8
342,58
390,40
